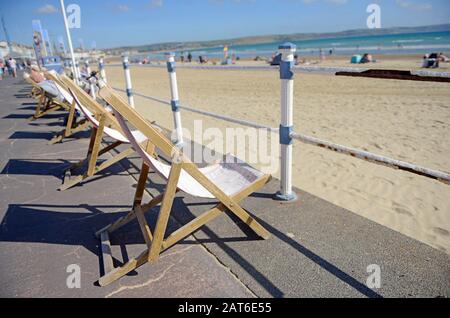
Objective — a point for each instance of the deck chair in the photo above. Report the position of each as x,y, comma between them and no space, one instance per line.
46,103
229,183
73,125
104,124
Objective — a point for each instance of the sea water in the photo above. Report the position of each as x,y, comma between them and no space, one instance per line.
395,44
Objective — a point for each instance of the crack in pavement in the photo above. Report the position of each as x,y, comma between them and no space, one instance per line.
147,283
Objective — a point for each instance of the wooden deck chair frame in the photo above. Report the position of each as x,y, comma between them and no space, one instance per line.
95,151
72,125
46,104
154,240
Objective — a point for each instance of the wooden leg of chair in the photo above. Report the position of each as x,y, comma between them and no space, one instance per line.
130,216
164,212
141,184
109,148
145,228
192,226
70,119
47,111
38,108
210,215
114,160
250,221
95,148
73,181
67,131
120,272
62,135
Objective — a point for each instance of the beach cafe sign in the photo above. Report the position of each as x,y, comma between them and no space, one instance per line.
73,12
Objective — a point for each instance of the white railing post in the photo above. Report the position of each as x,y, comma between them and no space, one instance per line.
287,121
88,67
92,87
92,81
175,102
77,72
129,88
101,68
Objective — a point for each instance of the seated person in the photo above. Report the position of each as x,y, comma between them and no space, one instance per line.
443,58
36,75
367,58
431,61
276,60
202,60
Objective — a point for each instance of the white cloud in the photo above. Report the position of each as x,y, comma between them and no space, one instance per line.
123,8
47,9
336,2
414,6
156,3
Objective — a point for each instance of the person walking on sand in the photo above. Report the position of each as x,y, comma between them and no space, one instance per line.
13,67
189,57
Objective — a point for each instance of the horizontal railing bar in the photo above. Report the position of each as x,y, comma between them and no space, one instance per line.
365,155
209,114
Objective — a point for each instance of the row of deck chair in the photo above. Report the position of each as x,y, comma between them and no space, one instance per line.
229,182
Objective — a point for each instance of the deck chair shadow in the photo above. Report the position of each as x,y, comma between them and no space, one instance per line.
104,125
73,125
229,182
46,103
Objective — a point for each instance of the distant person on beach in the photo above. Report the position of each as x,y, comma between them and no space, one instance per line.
3,66
276,60
443,58
322,55
431,61
189,57
367,58
202,60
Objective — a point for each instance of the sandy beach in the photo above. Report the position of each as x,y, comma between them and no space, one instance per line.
405,120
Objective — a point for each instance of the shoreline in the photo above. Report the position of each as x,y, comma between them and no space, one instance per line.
395,62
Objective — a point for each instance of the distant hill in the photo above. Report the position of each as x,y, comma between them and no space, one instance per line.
280,38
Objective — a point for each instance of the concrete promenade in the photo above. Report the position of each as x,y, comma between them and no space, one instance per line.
316,250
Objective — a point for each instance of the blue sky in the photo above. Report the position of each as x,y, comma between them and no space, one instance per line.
134,22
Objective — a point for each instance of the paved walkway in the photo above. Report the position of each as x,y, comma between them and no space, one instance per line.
317,249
